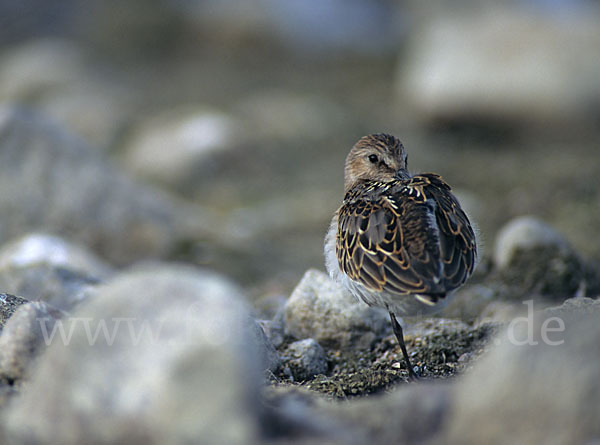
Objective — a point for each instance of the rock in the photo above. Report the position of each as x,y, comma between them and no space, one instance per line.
532,258
541,389
32,69
320,309
274,329
412,414
8,306
502,64
574,306
54,182
24,336
361,26
92,109
469,302
57,78
526,232
306,359
270,357
40,266
195,139
283,115
163,354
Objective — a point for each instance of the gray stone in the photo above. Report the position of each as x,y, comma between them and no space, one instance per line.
413,414
574,306
25,335
525,232
320,309
270,357
274,330
543,390
195,137
306,359
534,259
284,115
45,267
52,181
93,109
501,63
177,362
8,306
36,67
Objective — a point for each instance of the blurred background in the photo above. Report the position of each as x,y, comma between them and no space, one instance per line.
247,109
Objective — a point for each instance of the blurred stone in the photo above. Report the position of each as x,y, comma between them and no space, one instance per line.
55,77
523,233
306,359
291,417
503,63
320,309
276,114
413,414
51,181
94,110
30,70
270,357
543,390
534,259
469,302
23,338
8,306
275,329
500,312
164,354
574,306
307,26
269,305
44,267
177,146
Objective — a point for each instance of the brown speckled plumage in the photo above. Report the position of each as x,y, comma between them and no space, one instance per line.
398,241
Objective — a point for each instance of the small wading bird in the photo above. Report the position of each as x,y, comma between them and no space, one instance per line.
398,241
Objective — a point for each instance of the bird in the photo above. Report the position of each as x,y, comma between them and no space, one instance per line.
398,241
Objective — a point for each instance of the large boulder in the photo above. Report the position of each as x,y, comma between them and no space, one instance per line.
163,354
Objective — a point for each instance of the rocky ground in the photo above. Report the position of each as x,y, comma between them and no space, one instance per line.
168,352
167,175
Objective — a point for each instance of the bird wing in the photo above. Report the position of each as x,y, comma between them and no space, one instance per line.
405,237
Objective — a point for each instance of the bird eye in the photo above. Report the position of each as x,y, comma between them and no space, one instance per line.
373,159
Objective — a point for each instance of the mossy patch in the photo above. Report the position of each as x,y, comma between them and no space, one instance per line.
441,353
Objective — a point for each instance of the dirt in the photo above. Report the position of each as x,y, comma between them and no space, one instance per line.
442,353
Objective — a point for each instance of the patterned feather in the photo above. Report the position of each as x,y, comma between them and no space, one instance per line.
405,237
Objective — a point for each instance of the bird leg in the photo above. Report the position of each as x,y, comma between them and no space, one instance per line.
400,336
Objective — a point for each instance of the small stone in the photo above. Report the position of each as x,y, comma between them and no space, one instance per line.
26,333
8,306
523,233
195,137
320,309
271,360
32,69
40,266
274,330
306,359
534,259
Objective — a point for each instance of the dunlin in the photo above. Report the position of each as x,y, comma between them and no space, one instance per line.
399,241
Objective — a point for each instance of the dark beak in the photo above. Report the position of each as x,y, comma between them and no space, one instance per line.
402,174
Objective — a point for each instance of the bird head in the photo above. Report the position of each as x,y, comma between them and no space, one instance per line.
376,157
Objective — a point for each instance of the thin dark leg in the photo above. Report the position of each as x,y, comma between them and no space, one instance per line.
400,336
